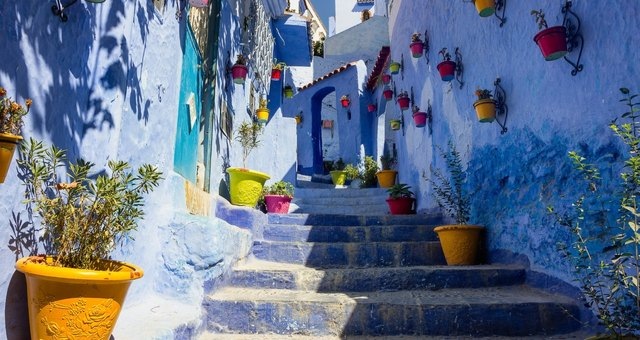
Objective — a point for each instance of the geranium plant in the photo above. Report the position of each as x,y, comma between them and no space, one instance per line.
11,113
483,94
445,55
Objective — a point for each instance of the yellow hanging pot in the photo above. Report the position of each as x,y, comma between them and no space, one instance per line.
485,8
263,115
485,110
8,144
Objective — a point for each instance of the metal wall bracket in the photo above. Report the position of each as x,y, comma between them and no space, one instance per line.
501,6
500,97
59,7
574,36
402,66
429,117
426,46
459,67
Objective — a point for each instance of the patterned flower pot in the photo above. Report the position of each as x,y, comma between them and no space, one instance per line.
69,303
447,70
245,186
394,67
388,94
460,243
420,119
276,73
386,178
485,7
263,115
371,107
338,177
239,73
416,49
552,42
277,204
386,78
8,144
401,205
485,110
403,102
395,124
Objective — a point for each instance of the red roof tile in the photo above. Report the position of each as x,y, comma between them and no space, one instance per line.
378,68
334,72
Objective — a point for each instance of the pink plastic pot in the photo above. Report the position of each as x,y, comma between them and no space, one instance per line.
403,102
388,94
371,107
447,70
401,205
420,118
552,42
276,74
345,102
386,78
238,73
277,204
416,49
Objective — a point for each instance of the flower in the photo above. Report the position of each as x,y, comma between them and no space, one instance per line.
445,55
483,94
240,60
11,113
345,97
415,37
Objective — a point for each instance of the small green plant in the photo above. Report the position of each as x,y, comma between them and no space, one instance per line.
339,164
539,17
282,188
241,60
400,190
247,134
483,94
415,37
83,218
449,190
366,172
608,277
445,55
387,160
11,113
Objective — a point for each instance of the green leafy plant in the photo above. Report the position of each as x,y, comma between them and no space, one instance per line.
84,217
449,190
241,60
339,164
388,161
247,134
539,17
279,188
608,277
11,113
483,94
400,190
445,55
415,37
366,172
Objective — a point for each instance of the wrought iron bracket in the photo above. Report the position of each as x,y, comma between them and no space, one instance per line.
426,46
459,67
574,36
402,66
402,121
59,7
429,117
501,6
500,97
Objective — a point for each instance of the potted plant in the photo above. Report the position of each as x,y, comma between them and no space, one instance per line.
276,71
338,175
446,67
288,91
363,175
239,70
485,106
401,200
11,115
416,46
262,113
403,100
485,8
76,291
551,40
460,242
419,117
386,78
394,67
245,185
395,124
277,197
387,93
371,107
345,101
387,176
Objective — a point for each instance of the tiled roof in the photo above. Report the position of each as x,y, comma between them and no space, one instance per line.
336,71
378,68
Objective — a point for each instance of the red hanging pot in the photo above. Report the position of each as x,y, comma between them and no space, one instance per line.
371,107
403,102
386,78
552,42
276,74
345,102
239,73
447,70
416,49
388,94
420,118
401,205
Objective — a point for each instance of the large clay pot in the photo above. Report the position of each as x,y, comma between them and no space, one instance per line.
552,42
460,243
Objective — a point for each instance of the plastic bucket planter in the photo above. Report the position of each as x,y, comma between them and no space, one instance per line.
420,118
245,186
345,102
8,144
386,178
460,243
371,107
394,67
277,204
394,124
447,70
485,110
263,115
386,79
239,73
403,102
485,8
401,205
416,49
388,94
276,73
552,42
288,92
338,177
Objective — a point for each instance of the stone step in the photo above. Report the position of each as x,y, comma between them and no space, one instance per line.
332,219
502,311
377,233
351,255
579,335
339,193
344,209
273,275
347,201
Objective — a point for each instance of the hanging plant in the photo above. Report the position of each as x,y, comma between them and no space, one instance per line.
446,67
552,41
288,91
345,101
419,117
239,70
416,46
403,100
262,113
485,106
387,93
371,107
276,71
394,67
386,78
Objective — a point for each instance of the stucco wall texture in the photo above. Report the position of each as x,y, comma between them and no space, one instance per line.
515,176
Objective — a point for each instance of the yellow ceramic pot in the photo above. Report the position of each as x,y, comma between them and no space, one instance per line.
394,67
245,186
69,303
395,124
338,177
8,144
485,110
263,115
386,178
485,7
460,243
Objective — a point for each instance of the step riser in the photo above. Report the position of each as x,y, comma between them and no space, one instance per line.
376,279
338,201
353,220
296,233
359,210
350,193
312,318
343,255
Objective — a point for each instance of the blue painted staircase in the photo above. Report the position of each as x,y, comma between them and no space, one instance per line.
341,276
